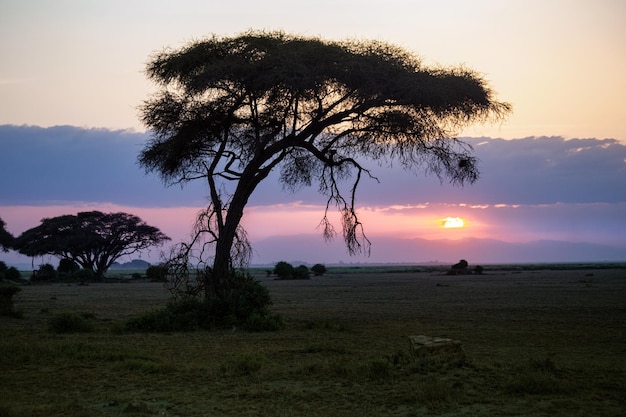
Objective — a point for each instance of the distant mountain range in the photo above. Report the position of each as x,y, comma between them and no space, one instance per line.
134,264
312,249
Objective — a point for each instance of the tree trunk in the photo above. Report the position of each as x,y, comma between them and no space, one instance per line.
221,274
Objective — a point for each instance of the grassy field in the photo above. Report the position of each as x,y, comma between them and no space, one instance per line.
538,341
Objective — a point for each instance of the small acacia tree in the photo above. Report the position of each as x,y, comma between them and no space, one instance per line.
92,239
233,109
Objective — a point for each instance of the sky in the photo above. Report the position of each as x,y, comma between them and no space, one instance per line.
72,79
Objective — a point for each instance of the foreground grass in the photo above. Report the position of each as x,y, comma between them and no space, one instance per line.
537,345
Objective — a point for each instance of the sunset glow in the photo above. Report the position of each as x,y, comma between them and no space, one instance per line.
453,223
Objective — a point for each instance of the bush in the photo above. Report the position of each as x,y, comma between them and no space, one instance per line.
301,272
283,270
157,273
6,299
318,270
180,315
46,272
70,323
67,267
83,275
246,304
12,274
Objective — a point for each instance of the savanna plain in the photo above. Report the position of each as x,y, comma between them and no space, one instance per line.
539,341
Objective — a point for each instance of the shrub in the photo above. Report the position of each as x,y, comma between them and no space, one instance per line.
318,270
83,275
157,273
67,267
12,274
46,272
283,270
6,299
301,272
70,323
246,304
182,315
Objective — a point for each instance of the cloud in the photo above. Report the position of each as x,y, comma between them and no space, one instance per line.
531,189
66,163
70,164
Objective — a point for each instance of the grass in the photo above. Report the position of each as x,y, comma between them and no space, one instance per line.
538,343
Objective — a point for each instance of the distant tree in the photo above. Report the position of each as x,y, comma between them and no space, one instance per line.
459,268
301,272
231,110
6,238
93,240
283,270
318,269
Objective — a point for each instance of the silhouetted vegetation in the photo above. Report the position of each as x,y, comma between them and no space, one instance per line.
6,300
318,270
234,109
93,240
246,305
284,270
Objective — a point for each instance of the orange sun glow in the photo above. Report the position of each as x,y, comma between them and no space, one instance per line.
453,222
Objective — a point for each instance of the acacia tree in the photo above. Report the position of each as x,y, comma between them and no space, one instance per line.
232,109
92,239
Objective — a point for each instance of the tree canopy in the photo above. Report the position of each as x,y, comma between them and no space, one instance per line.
232,109
92,239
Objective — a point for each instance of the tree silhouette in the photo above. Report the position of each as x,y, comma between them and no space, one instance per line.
232,109
6,238
92,239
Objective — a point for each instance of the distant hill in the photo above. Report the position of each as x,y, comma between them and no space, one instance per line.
134,264
311,249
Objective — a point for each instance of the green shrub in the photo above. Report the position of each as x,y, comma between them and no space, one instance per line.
70,323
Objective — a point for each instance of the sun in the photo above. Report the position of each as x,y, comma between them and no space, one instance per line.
453,223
